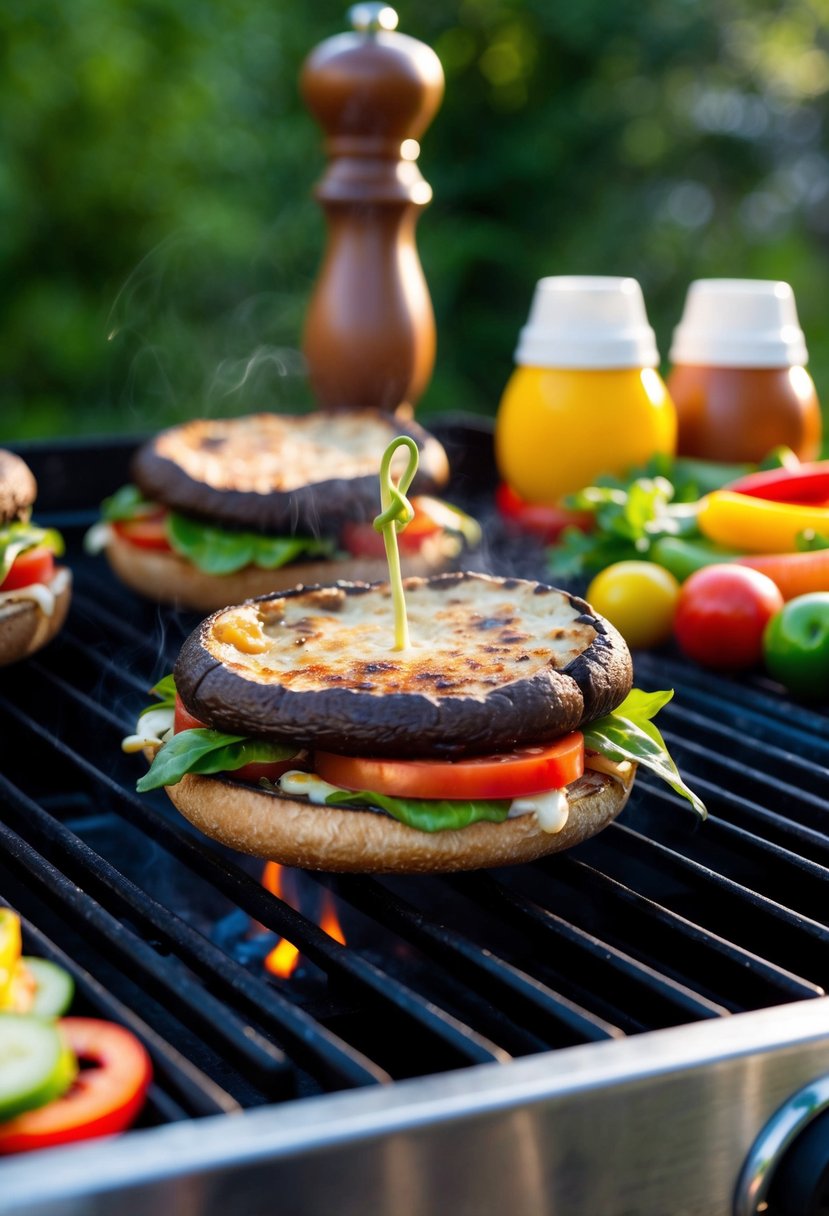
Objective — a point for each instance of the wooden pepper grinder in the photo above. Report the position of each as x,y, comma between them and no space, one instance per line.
370,330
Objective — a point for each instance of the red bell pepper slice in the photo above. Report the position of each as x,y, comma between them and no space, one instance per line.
807,484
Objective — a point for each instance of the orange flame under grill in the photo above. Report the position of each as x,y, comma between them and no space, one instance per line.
283,960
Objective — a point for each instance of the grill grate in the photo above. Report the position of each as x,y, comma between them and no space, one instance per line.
657,922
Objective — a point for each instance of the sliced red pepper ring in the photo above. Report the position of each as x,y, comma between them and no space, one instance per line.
106,1096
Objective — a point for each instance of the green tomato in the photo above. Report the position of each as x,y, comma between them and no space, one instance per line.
796,646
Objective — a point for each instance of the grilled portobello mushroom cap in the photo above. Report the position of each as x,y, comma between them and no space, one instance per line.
494,663
18,488
278,473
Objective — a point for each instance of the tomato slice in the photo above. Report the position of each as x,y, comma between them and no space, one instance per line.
545,523
105,1097
430,518
251,774
145,531
36,565
527,770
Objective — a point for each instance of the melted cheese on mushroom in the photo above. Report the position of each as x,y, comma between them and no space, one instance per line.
467,639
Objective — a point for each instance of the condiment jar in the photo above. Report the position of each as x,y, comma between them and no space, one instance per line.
585,397
738,380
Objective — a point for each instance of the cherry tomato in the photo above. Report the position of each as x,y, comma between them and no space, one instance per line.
34,566
251,774
528,770
721,614
545,523
105,1097
639,598
145,531
430,518
796,646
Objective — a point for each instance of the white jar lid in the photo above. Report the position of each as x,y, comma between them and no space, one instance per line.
739,323
587,321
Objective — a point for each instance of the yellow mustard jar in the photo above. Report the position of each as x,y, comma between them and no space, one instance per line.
585,397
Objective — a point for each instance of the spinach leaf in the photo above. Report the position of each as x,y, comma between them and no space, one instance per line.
165,690
221,551
208,751
126,503
427,814
629,734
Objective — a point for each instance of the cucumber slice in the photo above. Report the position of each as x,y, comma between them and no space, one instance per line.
34,1067
54,988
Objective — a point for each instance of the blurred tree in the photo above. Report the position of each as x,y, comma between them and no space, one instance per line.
159,241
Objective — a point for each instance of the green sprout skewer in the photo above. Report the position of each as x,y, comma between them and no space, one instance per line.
396,513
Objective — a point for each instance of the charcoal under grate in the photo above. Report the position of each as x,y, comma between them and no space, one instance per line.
657,922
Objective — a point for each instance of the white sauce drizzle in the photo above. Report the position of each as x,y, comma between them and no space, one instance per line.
552,810
97,538
306,785
151,730
42,594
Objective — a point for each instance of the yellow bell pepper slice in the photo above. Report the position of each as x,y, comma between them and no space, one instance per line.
10,950
757,525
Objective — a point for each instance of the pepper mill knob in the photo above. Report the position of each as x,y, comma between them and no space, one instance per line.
370,331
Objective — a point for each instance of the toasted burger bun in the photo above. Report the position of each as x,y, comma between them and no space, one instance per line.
25,627
347,840
171,579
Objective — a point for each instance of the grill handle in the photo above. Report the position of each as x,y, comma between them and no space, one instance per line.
787,1170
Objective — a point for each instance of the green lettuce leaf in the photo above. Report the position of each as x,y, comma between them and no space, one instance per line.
629,734
17,537
220,551
427,814
126,503
208,751
165,690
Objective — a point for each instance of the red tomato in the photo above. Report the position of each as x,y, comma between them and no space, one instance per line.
251,774
34,566
430,518
145,531
105,1097
528,770
721,614
545,523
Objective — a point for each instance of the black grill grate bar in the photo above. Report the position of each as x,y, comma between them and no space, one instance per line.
90,619
753,921
325,1056
258,1058
339,963
552,1017
790,880
655,999
198,1092
728,973
724,742
736,696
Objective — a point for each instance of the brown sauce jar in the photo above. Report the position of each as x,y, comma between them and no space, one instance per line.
738,379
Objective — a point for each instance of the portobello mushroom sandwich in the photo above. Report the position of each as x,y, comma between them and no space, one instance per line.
34,592
224,509
506,730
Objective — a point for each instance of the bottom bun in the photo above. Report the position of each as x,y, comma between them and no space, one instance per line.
294,833
25,627
164,576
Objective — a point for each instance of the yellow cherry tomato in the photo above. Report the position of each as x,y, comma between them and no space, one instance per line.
558,429
639,598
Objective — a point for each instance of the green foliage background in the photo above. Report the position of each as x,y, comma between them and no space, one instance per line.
158,241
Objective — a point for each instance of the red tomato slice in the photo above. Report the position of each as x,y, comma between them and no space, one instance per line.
545,523
527,770
430,518
105,1097
34,566
251,774
145,531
